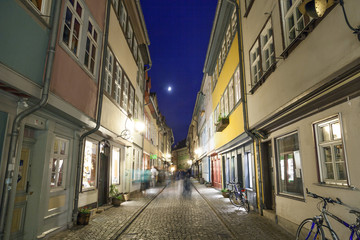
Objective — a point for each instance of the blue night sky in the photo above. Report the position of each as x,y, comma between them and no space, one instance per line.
179,32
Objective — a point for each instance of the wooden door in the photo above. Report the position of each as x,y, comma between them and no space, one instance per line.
17,226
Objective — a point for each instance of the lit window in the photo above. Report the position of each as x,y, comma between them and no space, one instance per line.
289,165
108,71
58,163
89,167
72,25
90,49
331,155
115,166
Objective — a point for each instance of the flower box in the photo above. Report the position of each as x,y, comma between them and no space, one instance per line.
222,124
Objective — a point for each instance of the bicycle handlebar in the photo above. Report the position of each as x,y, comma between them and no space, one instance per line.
328,200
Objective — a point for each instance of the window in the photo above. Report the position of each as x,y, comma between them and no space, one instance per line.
90,49
123,16
108,71
231,94
331,151
216,115
223,52
228,38
249,170
135,49
237,88
115,5
42,7
58,161
222,107
141,73
89,167
130,34
226,102
289,165
131,101
124,102
233,22
118,83
293,20
72,25
115,166
262,54
136,116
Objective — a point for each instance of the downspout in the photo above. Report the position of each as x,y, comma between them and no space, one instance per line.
98,120
244,101
12,167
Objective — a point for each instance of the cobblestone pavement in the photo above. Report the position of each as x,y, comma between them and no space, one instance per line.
171,215
106,224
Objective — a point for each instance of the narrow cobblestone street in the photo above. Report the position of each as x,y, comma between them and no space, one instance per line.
164,213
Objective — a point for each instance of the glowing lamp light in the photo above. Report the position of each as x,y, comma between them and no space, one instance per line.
198,151
189,162
139,126
169,89
172,169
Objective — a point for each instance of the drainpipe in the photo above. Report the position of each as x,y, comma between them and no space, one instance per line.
244,101
12,167
82,137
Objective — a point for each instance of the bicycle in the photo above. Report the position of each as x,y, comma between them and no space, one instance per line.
313,228
238,196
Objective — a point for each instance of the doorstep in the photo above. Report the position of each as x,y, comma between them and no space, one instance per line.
269,214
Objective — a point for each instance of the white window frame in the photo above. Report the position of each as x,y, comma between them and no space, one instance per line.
130,34
237,88
288,12
267,47
131,100
226,102
228,38
75,16
233,23
93,43
118,82
331,143
109,64
255,63
231,94
135,48
125,93
115,5
57,154
44,10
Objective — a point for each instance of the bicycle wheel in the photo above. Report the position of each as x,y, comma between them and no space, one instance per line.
236,201
246,205
309,230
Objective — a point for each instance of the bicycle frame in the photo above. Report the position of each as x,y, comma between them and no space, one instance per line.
352,227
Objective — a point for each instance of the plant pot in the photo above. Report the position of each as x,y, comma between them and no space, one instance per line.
208,185
127,196
201,181
225,194
83,218
116,202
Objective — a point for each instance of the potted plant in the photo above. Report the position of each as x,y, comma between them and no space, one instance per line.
126,196
225,192
222,123
83,216
116,197
208,184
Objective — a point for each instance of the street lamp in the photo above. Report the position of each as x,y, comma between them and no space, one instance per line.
198,151
189,162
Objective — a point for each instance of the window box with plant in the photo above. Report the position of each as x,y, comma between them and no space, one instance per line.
222,123
83,216
116,197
